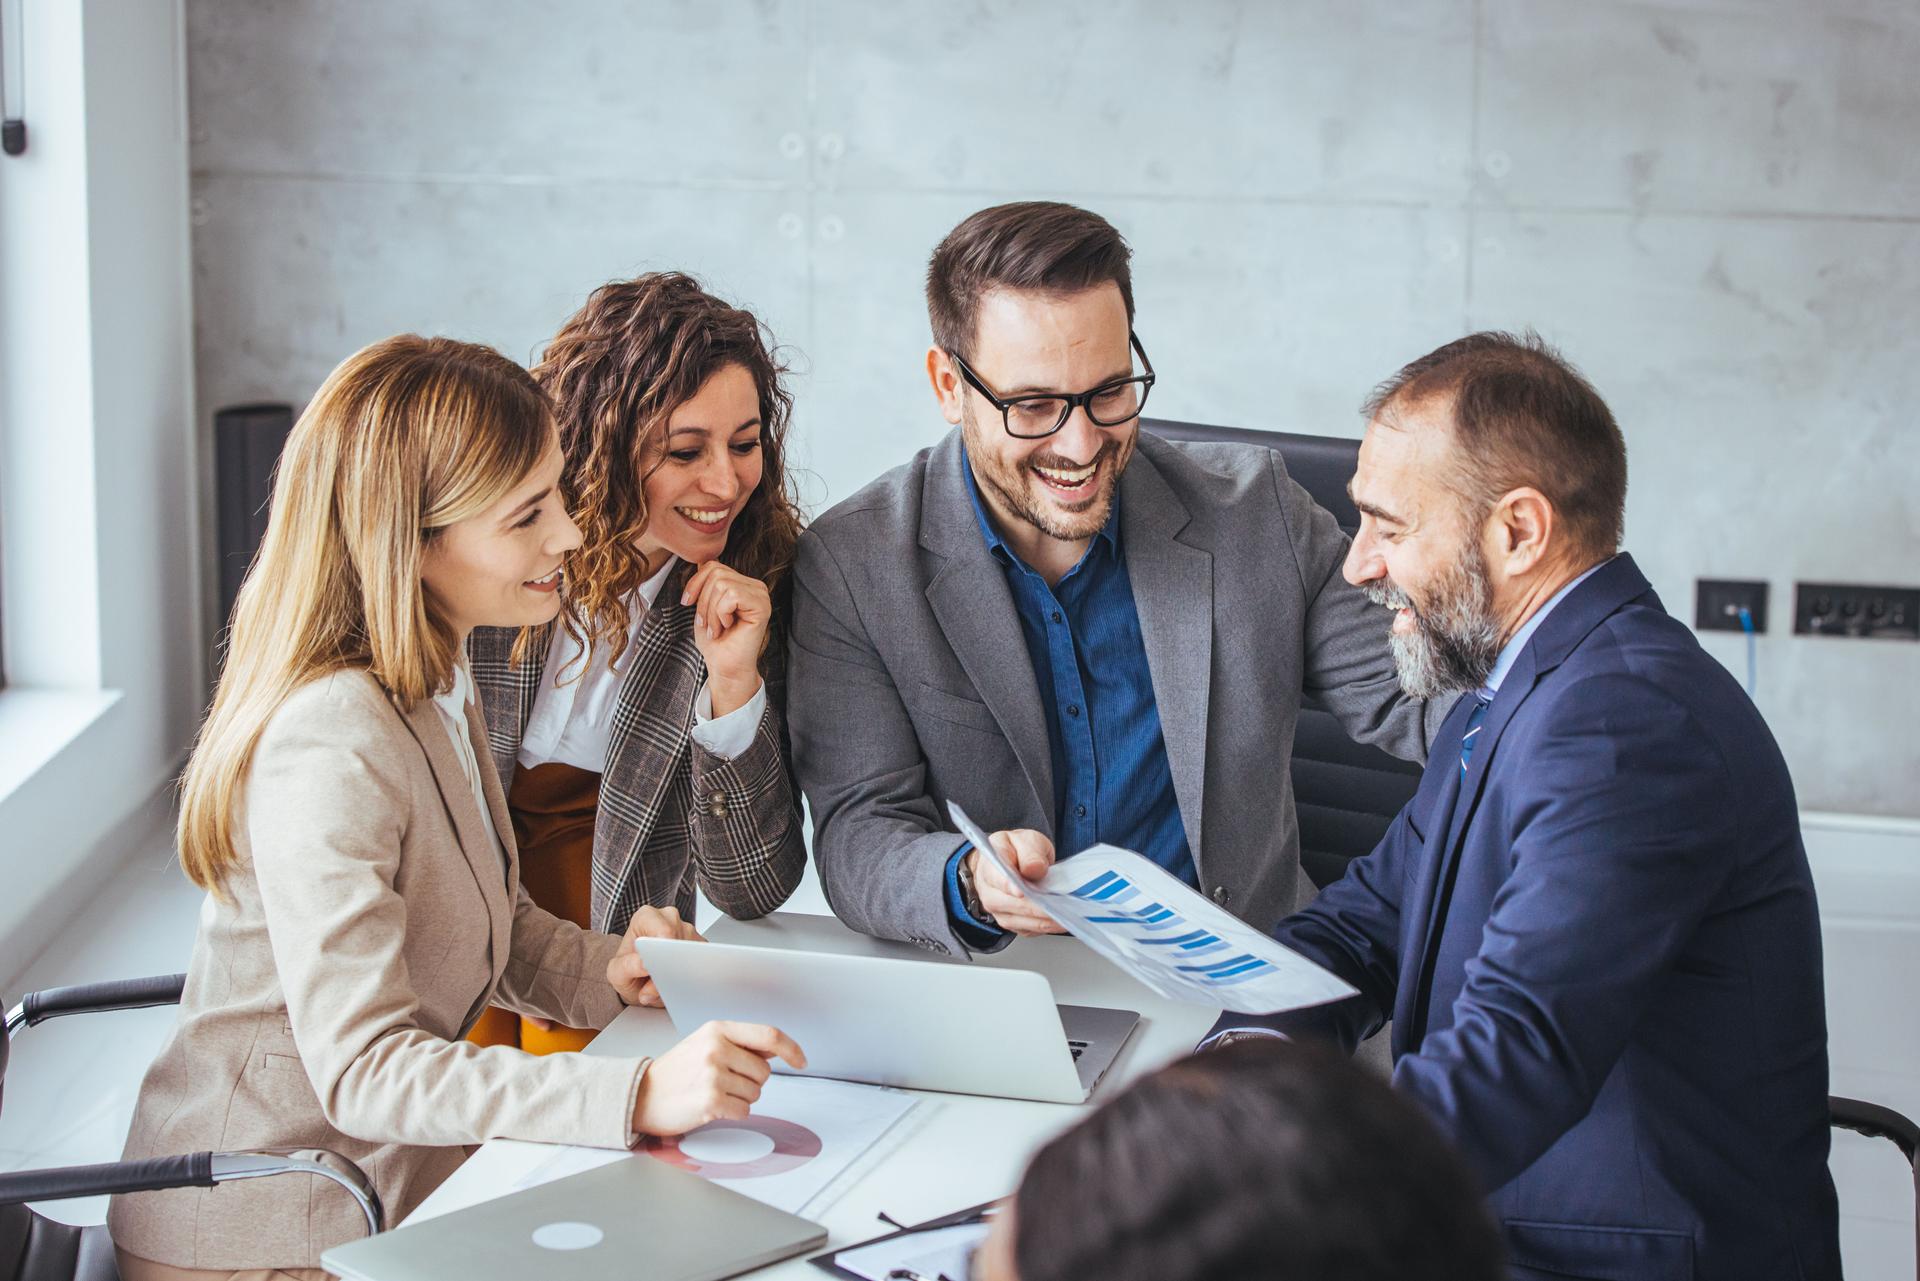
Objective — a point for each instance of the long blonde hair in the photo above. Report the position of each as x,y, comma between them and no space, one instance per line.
405,438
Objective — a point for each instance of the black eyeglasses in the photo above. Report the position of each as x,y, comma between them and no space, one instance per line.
1111,404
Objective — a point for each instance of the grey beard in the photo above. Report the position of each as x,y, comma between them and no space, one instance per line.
1455,640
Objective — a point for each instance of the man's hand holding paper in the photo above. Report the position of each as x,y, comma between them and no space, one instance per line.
1028,855
1160,930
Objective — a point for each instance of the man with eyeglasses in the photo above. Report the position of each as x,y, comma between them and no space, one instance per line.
1077,632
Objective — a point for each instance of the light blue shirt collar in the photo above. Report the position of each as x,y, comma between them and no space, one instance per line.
1510,652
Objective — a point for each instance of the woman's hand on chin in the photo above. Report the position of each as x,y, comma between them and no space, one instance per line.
731,617
713,1075
627,972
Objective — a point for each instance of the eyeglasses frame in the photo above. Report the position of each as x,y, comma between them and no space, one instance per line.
1074,400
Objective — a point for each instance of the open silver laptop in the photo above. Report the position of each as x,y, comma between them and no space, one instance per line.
634,1218
924,1025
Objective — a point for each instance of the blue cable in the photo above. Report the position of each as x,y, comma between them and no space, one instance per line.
1746,625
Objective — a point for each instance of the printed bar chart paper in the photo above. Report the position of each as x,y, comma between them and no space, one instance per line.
1146,921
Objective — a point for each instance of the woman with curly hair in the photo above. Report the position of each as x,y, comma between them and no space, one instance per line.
643,733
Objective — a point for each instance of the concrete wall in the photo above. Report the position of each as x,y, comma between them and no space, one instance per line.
1714,206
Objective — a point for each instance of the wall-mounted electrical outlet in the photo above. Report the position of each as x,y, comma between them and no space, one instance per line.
1848,609
1717,603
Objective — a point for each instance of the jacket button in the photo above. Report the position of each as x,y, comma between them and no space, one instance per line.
1221,895
717,798
718,809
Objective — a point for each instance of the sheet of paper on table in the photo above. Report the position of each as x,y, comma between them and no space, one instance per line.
795,1152
943,1252
1146,921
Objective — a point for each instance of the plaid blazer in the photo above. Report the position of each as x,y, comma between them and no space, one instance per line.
670,811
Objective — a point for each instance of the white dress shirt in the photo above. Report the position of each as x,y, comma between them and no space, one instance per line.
452,703
572,719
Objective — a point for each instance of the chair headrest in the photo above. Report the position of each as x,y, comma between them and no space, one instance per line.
1321,465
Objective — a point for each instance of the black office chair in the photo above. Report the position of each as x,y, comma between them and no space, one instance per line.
1347,794
33,1248
1877,1122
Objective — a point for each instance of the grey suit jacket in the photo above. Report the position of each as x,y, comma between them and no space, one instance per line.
911,684
368,923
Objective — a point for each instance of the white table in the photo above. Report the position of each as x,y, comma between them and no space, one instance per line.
962,1149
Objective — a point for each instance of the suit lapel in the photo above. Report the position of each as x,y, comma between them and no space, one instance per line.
652,721
1560,633
506,692
1421,905
1584,608
497,807
469,830
970,598
1173,596
1444,845
975,609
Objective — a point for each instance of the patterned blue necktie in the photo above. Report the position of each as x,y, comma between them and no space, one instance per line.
1473,729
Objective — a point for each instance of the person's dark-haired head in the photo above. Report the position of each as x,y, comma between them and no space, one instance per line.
1031,246
1523,415
1261,1161
1491,474
1031,303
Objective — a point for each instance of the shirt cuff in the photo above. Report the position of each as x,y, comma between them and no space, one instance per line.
633,1101
1227,1036
730,735
976,934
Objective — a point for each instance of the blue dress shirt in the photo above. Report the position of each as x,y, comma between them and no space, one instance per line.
1111,779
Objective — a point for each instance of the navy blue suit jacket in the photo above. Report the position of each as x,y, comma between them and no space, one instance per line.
1601,954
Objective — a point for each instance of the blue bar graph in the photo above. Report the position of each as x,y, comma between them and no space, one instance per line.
1157,925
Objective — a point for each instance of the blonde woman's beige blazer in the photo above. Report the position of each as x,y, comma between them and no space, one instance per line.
371,920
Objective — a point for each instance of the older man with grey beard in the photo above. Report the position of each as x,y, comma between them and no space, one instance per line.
1594,927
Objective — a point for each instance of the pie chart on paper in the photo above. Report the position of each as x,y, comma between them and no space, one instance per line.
748,1149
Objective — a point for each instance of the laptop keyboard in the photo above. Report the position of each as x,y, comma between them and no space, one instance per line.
1078,1048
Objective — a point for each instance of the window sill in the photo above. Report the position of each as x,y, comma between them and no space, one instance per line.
36,726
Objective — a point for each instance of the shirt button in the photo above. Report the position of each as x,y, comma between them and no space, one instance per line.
1055,615
1079,811
1073,709
1221,894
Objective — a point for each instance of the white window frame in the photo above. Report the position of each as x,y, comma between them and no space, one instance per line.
99,524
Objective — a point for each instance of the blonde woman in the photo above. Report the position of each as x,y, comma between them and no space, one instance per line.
365,902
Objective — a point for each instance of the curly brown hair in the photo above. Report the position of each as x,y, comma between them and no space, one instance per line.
616,371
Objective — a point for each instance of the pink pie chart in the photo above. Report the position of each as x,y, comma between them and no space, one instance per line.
749,1149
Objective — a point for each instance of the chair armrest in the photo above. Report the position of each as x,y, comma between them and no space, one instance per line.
194,1171
267,1162
1875,1122
87,998
198,1170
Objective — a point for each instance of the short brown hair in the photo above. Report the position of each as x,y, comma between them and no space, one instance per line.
1038,245
1265,1158
1523,415
616,371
